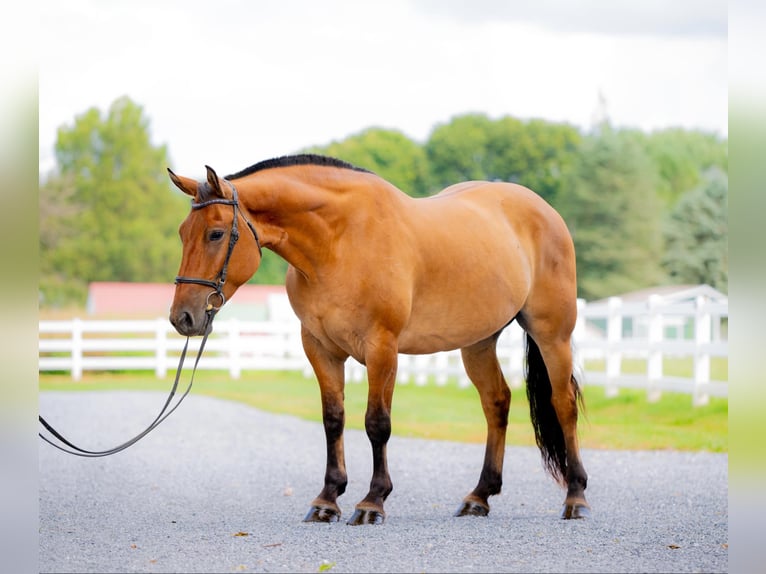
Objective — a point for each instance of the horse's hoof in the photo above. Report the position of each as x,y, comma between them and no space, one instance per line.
572,511
366,517
322,514
470,508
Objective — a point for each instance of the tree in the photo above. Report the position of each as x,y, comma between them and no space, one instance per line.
613,213
533,153
696,235
457,151
57,213
271,271
388,153
682,158
109,212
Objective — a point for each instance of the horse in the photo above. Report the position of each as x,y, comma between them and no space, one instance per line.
373,272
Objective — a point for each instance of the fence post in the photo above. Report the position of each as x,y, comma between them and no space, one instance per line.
76,349
515,355
441,363
422,365
355,371
403,369
702,327
578,337
161,353
235,351
614,353
654,358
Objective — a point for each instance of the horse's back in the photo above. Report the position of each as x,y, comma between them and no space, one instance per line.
508,210
512,197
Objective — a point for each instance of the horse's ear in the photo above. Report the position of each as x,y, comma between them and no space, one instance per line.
213,181
185,184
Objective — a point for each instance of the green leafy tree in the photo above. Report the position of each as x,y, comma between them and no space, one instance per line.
614,215
457,151
696,235
389,153
109,212
534,153
271,271
682,158
57,213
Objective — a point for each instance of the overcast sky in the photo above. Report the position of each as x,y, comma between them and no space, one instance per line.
229,83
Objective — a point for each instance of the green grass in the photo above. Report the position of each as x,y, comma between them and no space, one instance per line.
449,412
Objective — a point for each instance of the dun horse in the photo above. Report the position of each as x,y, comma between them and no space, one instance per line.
373,273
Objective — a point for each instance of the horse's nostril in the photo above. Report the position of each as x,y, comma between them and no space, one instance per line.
186,320
183,322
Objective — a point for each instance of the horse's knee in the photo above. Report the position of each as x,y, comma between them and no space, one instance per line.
377,423
334,420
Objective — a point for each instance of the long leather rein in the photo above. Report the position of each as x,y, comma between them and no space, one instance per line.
71,448
211,310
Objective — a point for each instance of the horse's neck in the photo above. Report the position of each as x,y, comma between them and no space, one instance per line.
297,215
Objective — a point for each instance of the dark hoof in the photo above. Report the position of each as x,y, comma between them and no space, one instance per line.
322,514
470,508
366,517
572,511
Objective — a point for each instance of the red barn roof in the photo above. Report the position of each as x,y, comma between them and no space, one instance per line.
154,299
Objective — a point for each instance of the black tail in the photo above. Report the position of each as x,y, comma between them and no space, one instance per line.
548,433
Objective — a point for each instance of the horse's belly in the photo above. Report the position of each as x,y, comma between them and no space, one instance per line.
432,332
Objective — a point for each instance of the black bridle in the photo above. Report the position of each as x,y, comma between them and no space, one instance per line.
210,310
233,238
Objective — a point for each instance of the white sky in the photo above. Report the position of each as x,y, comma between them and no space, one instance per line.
229,83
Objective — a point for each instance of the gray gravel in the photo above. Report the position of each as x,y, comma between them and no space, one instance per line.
222,487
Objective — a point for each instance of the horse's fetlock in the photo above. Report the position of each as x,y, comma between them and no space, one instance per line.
577,483
337,478
495,486
381,488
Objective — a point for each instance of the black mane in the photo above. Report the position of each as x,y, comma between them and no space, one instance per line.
301,159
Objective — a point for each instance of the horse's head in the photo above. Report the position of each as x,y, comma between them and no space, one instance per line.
221,251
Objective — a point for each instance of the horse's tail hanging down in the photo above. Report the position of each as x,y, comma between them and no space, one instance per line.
548,433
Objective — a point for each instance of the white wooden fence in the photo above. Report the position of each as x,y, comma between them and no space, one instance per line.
605,334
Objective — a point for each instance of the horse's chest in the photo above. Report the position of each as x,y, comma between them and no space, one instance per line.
338,328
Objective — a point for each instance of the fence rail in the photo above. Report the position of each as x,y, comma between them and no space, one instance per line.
605,334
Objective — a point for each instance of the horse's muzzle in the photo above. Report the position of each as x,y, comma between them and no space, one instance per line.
190,324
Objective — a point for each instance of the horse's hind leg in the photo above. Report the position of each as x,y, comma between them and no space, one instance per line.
565,395
482,367
554,396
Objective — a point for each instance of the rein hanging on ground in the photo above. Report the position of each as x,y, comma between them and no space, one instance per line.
164,413
211,310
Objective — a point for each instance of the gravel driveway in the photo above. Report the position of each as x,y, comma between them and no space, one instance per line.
222,487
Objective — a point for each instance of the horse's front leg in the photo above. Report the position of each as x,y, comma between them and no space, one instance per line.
330,374
381,362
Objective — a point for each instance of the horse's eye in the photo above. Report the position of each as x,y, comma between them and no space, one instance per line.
216,235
